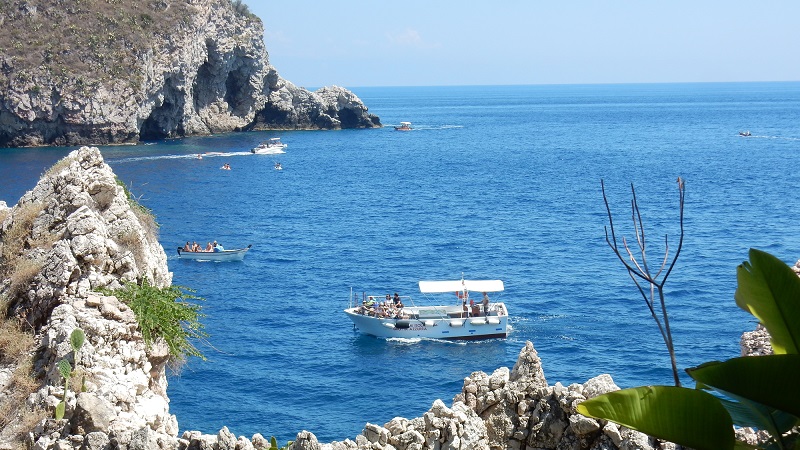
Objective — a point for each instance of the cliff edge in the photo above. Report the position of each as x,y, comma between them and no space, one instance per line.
109,72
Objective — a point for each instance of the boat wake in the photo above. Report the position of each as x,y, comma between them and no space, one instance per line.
783,138
437,127
412,341
189,156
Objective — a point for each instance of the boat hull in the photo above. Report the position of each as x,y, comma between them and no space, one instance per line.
225,255
276,150
417,324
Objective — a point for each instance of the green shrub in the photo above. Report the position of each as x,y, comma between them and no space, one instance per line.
164,314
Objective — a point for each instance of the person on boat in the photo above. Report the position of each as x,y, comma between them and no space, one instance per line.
187,247
485,302
397,302
218,247
209,247
368,305
195,247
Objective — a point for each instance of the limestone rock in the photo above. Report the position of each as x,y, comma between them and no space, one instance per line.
756,342
305,440
93,413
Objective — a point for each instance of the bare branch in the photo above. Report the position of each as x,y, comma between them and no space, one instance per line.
638,268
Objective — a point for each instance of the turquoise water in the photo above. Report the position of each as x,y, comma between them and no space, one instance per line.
494,182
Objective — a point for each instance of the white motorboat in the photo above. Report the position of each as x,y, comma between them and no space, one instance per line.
270,147
377,315
404,126
224,255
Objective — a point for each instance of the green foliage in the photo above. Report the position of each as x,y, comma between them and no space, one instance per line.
755,391
769,289
60,410
65,369
691,417
273,444
240,7
76,339
164,314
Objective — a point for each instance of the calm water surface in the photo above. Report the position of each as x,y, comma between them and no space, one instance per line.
494,182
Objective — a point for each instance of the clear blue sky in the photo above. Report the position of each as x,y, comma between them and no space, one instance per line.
444,42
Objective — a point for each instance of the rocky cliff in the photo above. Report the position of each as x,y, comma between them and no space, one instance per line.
103,71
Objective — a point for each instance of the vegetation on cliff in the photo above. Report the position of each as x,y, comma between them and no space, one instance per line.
84,44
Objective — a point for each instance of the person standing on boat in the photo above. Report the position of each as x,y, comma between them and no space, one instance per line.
485,302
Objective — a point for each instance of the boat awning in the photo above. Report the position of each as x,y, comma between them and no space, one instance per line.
432,287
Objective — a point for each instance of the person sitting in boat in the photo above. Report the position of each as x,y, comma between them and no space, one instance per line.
209,247
485,302
397,302
187,247
195,247
218,247
369,304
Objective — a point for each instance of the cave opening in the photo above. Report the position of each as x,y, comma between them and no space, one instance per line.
348,118
200,89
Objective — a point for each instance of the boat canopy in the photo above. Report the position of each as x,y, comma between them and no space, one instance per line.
405,123
432,287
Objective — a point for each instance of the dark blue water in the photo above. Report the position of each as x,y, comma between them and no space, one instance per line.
494,182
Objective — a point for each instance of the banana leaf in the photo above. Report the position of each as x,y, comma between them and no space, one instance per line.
688,417
746,413
770,380
770,290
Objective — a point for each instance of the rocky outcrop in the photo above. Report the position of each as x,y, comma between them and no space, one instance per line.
196,67
514,410
74,233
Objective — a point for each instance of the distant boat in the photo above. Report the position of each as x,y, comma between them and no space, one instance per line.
278,166
404,126
745,133
272,146
224,255
459,320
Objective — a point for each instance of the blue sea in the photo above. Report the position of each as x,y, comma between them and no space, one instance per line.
496,182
